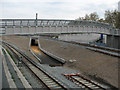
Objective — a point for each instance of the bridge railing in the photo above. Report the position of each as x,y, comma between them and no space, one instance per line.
33,26
47,22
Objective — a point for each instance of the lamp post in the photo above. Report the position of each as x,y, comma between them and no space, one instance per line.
36,18
36,24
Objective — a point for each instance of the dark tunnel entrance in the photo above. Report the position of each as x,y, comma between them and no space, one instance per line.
34,42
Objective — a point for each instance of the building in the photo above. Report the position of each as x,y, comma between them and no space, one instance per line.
119,6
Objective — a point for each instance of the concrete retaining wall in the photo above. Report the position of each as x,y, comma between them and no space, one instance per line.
32,51
50,54
113,41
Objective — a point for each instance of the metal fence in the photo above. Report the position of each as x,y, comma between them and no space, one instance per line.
40,26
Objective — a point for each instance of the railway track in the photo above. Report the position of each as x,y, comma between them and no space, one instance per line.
49,81
83,82
105,50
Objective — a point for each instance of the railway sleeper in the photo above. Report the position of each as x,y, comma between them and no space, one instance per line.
44,76
80,85
53,86
53,83
86,83
49,81
91,86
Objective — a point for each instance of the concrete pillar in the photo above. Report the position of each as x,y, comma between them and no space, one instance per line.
21,29
113,41
49,28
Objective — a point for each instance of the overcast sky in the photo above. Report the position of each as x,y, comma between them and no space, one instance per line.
54,9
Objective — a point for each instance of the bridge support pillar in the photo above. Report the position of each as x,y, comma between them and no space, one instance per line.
113,41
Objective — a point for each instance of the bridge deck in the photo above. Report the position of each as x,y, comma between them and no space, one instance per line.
33,26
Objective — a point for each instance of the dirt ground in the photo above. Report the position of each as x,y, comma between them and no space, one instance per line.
86,61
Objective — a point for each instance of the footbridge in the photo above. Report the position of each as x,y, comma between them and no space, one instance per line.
51,26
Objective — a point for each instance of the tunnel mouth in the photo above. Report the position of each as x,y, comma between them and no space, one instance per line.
34,42
45,58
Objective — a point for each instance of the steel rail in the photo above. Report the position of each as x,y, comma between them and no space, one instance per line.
56,85
84,82
105,50
87,83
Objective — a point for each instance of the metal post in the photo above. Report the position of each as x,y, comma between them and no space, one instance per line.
87,28
42,28
29,29
5,26
93,28
36,29
28,26
36,24
21,27
56,28
78,28
13,29
49,28
5,23
72,28
36,18
62,29
67,28
5,29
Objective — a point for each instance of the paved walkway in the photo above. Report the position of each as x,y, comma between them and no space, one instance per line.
14,76
19,74
4,80
8,75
